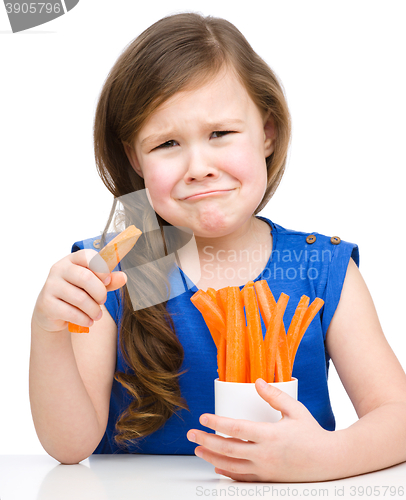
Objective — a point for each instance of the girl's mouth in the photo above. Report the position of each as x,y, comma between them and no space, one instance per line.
208,193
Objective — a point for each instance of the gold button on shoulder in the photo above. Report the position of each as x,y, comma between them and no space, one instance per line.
311,239
96,243
335,240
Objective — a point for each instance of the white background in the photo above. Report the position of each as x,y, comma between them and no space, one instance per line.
342,65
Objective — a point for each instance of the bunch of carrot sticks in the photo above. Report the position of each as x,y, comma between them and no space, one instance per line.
243,354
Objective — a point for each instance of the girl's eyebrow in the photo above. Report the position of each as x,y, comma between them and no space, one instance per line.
162,136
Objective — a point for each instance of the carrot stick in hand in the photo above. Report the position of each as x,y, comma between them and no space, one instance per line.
108,258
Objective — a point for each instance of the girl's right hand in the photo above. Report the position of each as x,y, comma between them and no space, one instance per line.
73,293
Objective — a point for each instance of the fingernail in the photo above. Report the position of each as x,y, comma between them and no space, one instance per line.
192,437
204,420
262,383
99,315
107,280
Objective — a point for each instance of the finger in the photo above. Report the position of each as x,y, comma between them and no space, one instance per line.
62,312
118,279
91,259
252,478
81,300
234,465
84,279
230,447
278,399
241,429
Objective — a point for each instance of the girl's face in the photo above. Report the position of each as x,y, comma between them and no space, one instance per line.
202,156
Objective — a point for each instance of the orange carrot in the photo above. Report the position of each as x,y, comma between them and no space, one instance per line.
254,332
221,296
213,294
266,300
247,341
221,299
282,373
211,313
310,313
295,324
221,358
272,335
235,334
108,258
250,283
77,328
242,353
215,321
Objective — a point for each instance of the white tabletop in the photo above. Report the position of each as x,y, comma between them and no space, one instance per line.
160,477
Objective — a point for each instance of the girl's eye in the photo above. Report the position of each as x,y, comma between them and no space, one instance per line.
220,133
167,144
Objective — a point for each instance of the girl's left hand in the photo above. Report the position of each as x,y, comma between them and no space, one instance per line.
294,449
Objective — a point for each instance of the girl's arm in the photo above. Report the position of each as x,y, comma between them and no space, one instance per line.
71,374
297,448
373,379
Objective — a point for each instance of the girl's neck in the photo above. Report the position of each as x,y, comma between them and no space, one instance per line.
235,259
248,235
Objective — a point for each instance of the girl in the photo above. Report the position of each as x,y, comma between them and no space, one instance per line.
190,113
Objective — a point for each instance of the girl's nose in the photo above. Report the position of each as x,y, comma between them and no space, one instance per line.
199,168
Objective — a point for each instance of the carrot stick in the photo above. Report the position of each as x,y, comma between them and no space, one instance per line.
295,324
213,294
282,373
250,283
108,258
211,313
310,313
77,328
266,300
119,246
215,321
255,340
221,359
272,335
235,334
247,342
221,295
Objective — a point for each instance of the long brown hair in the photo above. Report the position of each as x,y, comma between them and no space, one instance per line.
175,53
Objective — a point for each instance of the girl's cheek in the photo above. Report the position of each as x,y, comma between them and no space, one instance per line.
240,164
159,185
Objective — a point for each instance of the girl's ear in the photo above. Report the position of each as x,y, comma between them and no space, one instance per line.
132,158
269,135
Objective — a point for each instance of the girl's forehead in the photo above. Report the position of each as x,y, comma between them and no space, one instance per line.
220,93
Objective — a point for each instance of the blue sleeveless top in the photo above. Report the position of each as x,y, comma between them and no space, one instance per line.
298,266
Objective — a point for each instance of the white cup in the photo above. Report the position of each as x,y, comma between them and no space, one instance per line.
242,401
